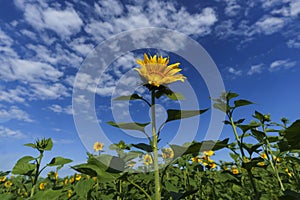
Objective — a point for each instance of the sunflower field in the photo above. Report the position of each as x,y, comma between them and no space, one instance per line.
266,169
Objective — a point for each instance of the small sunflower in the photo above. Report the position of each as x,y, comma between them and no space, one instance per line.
3,178
196,159
264,156
147,159
77,177
234,170
98,146
42,185
209,153
8,184
156,71
167,153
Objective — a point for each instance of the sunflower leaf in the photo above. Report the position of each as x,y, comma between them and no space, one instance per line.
130,126
181,114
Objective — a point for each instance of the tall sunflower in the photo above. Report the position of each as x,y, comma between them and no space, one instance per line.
156,71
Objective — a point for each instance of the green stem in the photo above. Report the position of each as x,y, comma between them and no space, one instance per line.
155,148
37,173
243,154
272,162
140,188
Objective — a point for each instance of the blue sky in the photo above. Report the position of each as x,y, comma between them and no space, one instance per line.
255,45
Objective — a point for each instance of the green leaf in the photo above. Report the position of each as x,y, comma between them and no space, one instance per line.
292,135
83,187
170,187
258,116
143,146
31,145
175,96
129,97
259,135
231,95
48,194
23,167
59,161
241,102
131,155
221,106
247,127
181,114
199,146
129,126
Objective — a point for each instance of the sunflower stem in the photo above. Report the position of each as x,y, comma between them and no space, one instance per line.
155,148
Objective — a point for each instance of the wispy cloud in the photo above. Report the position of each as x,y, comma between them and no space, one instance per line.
234,71
14,112
60,109
6,132
255,69
281,64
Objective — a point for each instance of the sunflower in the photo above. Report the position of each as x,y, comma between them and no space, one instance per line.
167,153
147,159
98,146
156,71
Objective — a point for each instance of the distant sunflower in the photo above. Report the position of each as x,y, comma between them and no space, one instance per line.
156,71
147,159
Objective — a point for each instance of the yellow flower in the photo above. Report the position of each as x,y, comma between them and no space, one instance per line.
95,179
261,164
98,146
3,178
288,172
147,159
131,164
69,193
225,168
212,165
209,153
77,177
167,153
66,181
8,184
234,170
56,175
42,185
196,159
264,156
156,72
72,180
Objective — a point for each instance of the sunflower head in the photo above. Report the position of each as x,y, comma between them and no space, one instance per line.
156,71
147,159
98,146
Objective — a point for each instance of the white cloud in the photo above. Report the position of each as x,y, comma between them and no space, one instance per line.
232,8
295,7
13,95
27,70
59,109
294,43
235,71
149,14
6,132
14,113
267,4
282,64
48,91
64,22
269,25
255,69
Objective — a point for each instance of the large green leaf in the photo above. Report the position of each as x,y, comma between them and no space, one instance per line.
259,135
58,161
129,126
241,102
196,147
23,167
181,114
83,187
143,146
48,194
292,135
